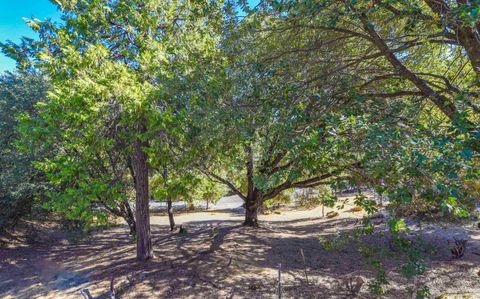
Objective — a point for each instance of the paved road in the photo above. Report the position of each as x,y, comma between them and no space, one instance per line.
227,209
225,203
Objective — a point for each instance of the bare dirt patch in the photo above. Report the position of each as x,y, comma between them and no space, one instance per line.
218,258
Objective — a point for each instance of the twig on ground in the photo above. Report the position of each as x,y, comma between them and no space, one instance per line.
209,282
86,294
353,286
279,281
458,249
229,262
112,288
304,265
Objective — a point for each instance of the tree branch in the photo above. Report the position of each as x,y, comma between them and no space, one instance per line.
225,182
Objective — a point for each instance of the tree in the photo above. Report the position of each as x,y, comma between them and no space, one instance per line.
22,187
111,64
179,181
421,51
209,191
263,133
171,186
405,78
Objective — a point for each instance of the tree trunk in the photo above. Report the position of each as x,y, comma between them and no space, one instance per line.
469,40
170,215
251,207
124,211
465,34
251,213
130,219
144,242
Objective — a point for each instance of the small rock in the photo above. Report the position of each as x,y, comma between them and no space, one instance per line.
332,214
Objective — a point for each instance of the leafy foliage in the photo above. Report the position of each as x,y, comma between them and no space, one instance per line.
105,62
291,95
22,187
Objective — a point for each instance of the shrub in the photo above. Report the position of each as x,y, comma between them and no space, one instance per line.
314,197
283,198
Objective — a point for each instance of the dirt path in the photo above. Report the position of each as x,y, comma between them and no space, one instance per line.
220,259
229,209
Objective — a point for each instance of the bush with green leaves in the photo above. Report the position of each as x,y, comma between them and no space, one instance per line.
22,186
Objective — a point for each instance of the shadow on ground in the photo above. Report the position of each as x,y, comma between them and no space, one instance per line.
221,259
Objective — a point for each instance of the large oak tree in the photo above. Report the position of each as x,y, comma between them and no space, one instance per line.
261,133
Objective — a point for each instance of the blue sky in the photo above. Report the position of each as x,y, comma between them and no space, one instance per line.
12,26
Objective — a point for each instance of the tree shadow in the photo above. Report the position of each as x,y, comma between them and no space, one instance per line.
217,259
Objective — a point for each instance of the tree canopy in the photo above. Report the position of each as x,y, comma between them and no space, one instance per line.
176,96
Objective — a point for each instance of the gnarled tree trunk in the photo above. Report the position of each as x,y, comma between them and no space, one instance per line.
129,218
123,210
144,242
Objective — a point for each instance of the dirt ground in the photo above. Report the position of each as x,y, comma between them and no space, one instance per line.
218,258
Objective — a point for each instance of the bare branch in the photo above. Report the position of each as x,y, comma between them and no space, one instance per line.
225,182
